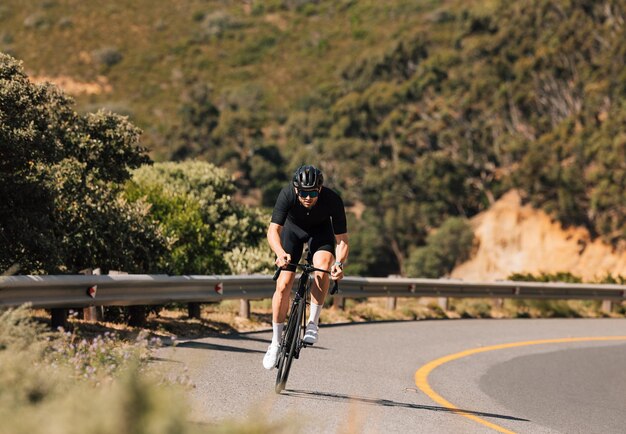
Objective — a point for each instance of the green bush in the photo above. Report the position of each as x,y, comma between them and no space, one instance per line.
60,181
37,21
566,277
191,202
58,382
107,56
450,245
216,24
62,383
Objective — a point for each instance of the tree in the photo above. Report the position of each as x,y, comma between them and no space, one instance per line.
198,118
445,248
60,175
191,201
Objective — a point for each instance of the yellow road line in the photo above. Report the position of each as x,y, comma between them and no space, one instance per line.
421,376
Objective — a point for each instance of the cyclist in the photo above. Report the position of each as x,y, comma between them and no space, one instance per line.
305,212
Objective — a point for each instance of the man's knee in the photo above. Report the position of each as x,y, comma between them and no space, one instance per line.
284,282
323,259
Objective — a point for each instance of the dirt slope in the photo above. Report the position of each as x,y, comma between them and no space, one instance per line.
518,238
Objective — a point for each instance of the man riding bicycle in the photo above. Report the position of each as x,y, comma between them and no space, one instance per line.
305,212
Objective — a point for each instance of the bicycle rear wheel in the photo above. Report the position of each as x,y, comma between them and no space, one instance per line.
289,346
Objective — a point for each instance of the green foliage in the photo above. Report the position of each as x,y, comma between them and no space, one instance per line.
565,277
250,260
192,204
548,308
107,56
446,106
60,382
59,183
445,248
229,136
471,308
368,253
217,24
199,117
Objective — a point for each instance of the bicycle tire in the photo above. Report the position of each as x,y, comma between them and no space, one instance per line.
285,347
294,343
291,347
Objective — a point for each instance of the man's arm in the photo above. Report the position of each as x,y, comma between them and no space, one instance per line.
341,255
273,238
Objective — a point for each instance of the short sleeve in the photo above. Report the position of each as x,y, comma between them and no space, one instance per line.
340,225
281,209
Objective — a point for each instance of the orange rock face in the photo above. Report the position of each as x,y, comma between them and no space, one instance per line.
516,238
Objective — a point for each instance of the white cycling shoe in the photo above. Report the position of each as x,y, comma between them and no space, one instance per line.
311,334
270,358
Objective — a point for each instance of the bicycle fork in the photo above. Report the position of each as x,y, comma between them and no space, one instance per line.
301,296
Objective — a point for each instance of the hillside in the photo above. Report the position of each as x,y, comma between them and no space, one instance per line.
417,111
139,57
515,238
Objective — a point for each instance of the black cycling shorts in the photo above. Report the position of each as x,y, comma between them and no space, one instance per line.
317,238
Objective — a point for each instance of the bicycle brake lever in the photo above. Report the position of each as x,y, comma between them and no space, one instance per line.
335,288
277,273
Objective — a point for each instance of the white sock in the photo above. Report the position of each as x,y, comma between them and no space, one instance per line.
316,309
277,327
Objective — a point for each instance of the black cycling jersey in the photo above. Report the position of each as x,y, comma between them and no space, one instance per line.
316,226
328,209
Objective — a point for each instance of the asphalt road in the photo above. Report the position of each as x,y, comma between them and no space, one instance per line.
362,378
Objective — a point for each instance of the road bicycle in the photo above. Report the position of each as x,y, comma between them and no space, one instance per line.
293,334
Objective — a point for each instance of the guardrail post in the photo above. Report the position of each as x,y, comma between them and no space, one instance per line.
443,303
339,302
498,303
193,310
244,308
92,313
391,303
607,306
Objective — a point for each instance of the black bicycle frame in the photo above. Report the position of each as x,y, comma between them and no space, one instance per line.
292,339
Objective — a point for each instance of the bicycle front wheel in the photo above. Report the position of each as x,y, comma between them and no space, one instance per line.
289,346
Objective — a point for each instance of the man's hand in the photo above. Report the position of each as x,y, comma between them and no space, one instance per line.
336,272
283,260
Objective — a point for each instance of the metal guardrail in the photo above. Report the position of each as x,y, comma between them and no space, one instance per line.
136,289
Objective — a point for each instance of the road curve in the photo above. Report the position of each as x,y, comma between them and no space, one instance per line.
363,377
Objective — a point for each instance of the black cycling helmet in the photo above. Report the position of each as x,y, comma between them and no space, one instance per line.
308,178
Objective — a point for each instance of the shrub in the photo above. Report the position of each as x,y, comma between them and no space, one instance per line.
5,12
191,203
216,24
53,382
449,245
107,56
61,383
37,20
61,174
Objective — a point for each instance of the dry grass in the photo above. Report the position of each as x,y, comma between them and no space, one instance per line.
92,380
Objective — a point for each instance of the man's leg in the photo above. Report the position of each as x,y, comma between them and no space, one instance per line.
324,260
280,300
292,242
280,305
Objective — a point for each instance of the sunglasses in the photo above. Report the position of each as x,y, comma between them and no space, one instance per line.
311,194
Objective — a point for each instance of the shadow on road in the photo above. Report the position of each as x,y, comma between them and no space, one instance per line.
338,397
217,347
235,349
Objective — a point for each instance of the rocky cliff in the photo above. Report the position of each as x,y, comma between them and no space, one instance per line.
516,238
